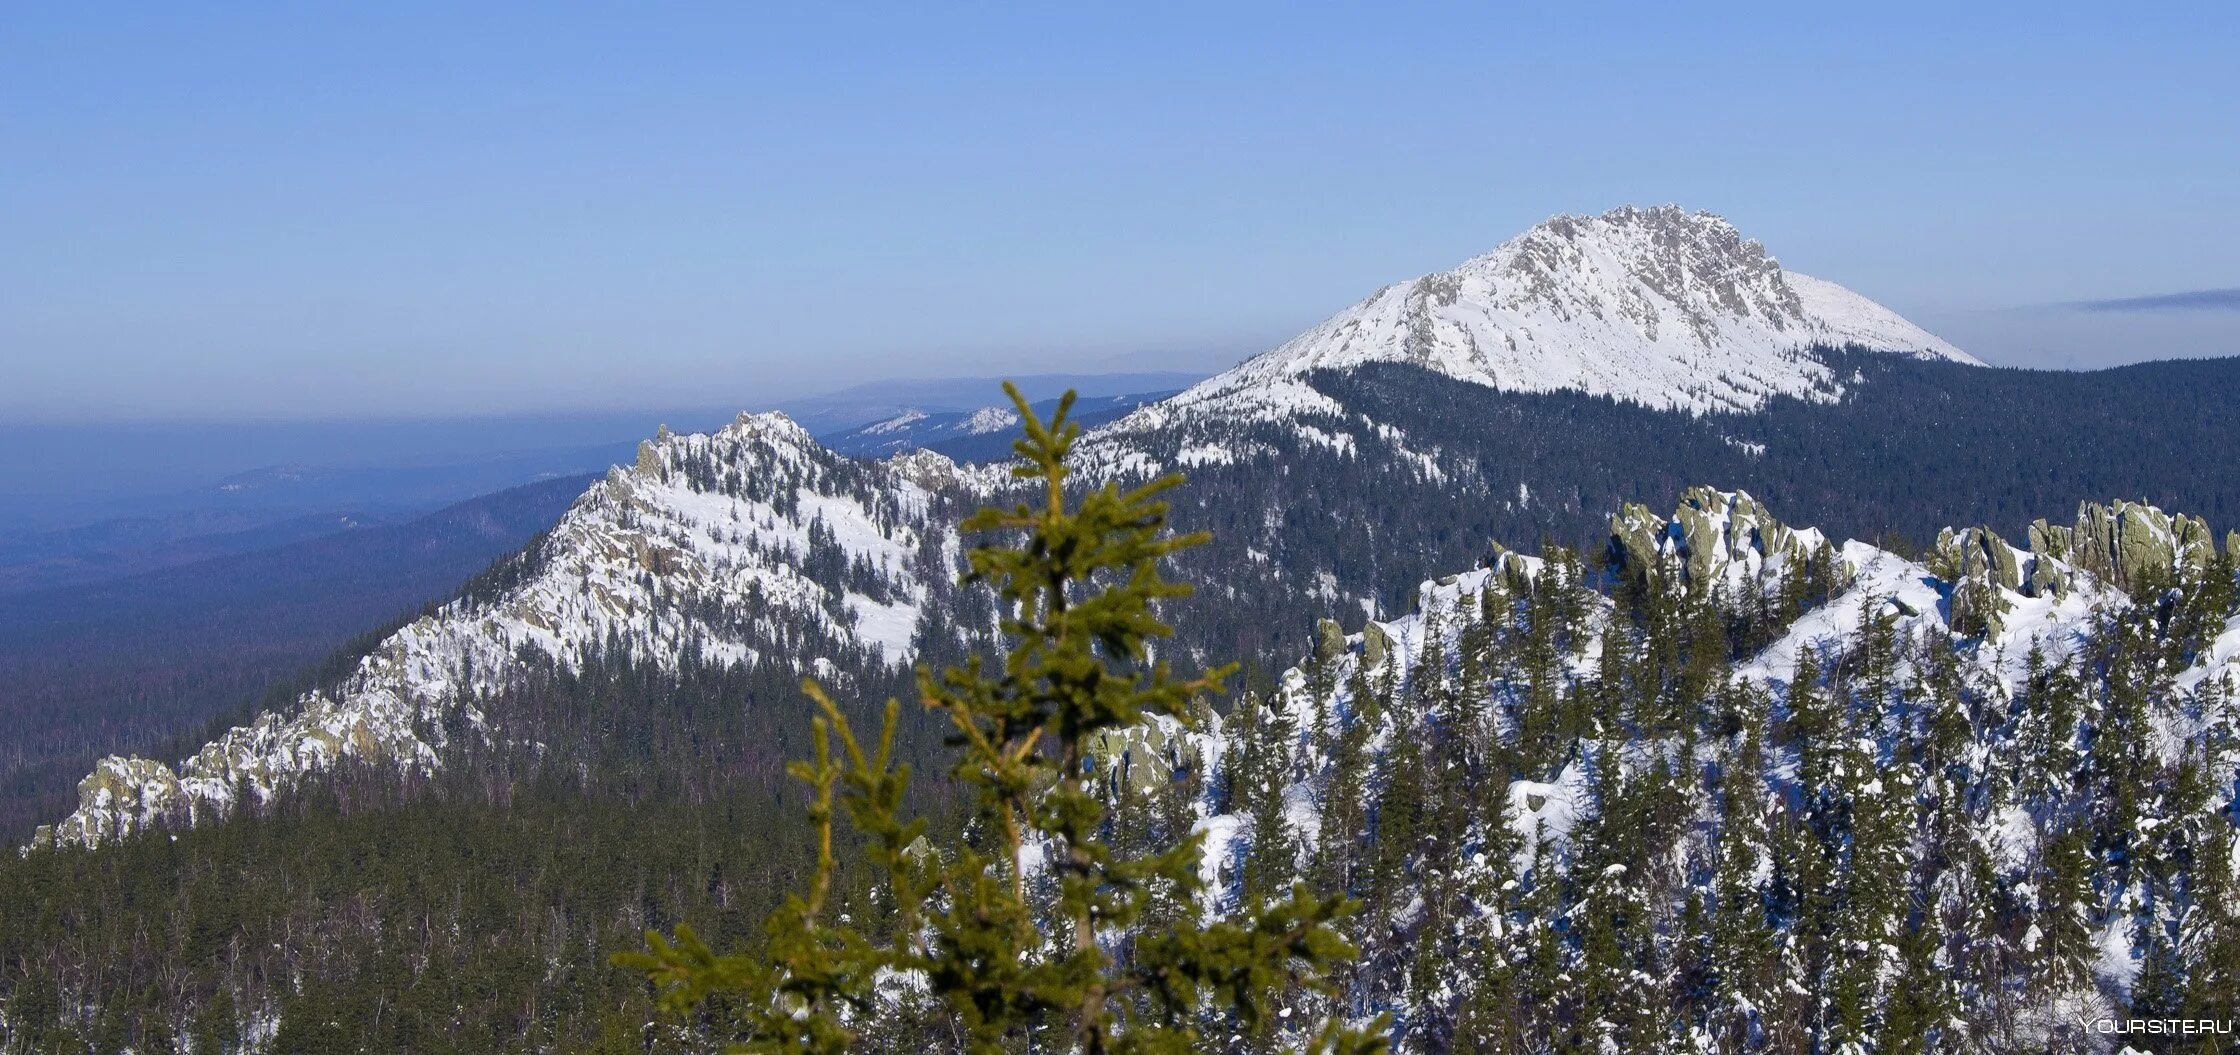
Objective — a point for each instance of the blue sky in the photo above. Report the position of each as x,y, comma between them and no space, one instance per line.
410,210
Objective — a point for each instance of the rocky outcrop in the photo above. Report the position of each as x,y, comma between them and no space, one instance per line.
2131,544
1982,570
1143,757
1714,536
1329,640
1375,646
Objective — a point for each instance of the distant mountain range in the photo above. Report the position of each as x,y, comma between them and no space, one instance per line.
978,435
836,413
50,542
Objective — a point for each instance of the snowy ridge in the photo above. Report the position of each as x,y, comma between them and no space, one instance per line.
1662,307
1400,686
711,545
1724,541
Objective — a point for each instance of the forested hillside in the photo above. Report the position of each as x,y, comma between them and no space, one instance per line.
1911,447
1721,785
468,911
1339,492
1333,504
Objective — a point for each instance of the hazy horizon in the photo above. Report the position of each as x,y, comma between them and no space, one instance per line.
424,212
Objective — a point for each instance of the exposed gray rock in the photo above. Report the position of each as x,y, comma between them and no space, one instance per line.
1981,567
1329,640
1375,645
2132,544
1634,539
1139,757
1711,534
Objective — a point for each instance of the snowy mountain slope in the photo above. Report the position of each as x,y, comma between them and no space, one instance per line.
1659,306
721,546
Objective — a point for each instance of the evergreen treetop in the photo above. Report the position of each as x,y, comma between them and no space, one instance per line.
1079,585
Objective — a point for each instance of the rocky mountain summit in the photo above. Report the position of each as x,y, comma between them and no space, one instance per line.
1661,307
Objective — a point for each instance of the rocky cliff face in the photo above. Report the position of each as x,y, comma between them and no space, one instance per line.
2129,543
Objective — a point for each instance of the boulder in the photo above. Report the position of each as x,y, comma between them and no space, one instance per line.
1981,567
2132,544
1329,640
2047,579
1634,536
1516,572
1134,758
2196,543
1375,645
1700,541
2051,541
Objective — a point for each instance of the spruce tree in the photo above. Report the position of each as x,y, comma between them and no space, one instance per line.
1262,778
1345,811
1080,583
1742,938
1813,726
2064,931
2212,934
1922,1002
1402,815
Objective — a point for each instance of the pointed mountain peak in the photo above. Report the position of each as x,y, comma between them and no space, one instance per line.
1659,306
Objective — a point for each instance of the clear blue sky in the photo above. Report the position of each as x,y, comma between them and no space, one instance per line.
412,210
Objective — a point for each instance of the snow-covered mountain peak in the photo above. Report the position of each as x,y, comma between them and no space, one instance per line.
989,419
770,426
1658,306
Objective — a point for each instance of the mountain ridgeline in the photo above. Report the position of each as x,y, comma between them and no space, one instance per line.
1613,781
